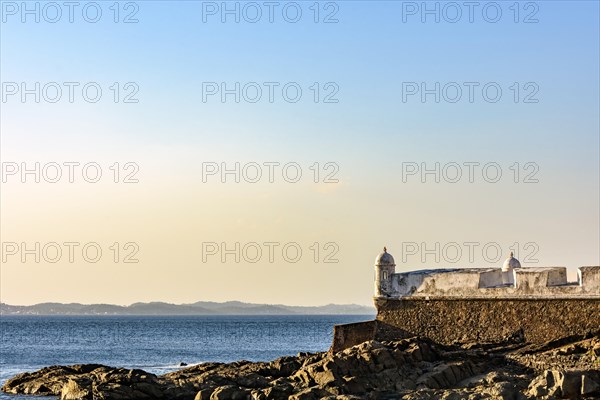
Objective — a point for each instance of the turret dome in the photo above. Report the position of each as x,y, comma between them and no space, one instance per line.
385,258
511,263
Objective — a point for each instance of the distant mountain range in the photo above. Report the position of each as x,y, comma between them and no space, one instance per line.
199,308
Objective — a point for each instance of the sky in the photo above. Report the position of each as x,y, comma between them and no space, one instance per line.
267,152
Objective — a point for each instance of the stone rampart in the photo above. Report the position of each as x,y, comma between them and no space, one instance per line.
348,335
456,320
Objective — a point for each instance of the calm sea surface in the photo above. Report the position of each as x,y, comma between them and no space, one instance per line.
157,344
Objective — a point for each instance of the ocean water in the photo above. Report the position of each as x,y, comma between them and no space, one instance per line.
157,344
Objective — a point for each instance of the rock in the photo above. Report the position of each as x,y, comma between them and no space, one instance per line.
324,378
570,349
285,366
569,383
73,391
87,381
539,386
596,348
589,386
312,393
252,380
353,384
228,393
446,375
151,389
506,391
204,394
278,392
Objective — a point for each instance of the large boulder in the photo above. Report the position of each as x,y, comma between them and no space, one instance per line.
568,384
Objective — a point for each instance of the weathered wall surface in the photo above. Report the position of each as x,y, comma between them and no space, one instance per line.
455,320
489,282
348,335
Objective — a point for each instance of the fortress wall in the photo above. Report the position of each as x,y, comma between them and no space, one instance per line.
490,278
589,277
557,277
453,320
475,283
532,278
349,335
404,283
449,282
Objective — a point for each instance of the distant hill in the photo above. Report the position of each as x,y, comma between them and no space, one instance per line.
198,308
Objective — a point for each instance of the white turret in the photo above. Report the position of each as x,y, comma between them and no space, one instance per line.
510,264
384,268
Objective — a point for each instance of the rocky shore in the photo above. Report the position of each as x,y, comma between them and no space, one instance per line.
412,369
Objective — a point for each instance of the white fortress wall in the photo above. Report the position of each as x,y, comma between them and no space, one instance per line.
453,282
510,281
531,278
589,278
490,278
404,284
487,282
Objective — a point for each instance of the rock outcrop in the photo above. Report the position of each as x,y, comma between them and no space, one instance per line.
415,369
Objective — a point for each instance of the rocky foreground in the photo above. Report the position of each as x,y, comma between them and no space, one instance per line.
405,369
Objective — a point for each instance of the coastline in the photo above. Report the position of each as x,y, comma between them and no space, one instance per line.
413,368
151,342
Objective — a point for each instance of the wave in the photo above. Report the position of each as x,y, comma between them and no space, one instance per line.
166,367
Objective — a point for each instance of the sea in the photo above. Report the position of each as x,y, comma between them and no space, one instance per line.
157,344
